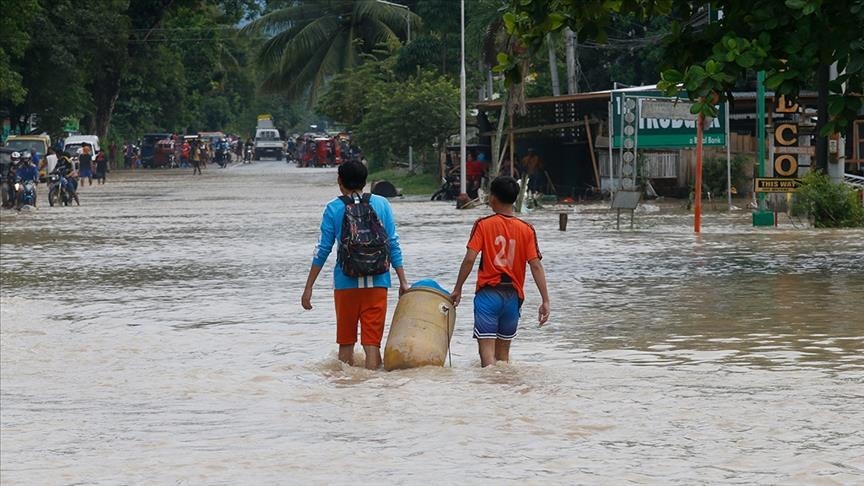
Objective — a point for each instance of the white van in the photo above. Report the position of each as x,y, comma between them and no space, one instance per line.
75,142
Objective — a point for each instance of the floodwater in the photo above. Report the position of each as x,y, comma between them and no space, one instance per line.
154,335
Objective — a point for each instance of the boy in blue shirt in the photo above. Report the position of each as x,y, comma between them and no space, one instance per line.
364,298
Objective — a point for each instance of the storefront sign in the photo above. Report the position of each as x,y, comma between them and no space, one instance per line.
663,128
786,141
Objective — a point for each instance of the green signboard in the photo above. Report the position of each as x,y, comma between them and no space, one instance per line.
71,125
666,133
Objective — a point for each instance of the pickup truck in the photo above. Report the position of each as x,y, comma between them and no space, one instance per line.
268,143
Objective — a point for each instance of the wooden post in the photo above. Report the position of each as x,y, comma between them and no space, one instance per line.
593,156
562,221
697,207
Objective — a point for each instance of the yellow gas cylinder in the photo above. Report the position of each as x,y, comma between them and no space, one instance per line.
421,329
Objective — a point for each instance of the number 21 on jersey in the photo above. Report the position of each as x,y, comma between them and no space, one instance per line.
506,252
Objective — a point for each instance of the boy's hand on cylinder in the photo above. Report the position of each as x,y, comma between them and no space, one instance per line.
456,297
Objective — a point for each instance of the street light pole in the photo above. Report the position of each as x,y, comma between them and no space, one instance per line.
463,186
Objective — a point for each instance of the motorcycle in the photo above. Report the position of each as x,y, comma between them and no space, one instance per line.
449,189
25,192
60,190
248,154
223,158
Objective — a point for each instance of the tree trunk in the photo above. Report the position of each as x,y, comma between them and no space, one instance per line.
105,95
553,65
570,44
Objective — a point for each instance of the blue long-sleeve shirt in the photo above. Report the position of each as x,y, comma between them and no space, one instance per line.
331,232
27,173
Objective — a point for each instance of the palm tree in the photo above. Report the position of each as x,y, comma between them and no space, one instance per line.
312,40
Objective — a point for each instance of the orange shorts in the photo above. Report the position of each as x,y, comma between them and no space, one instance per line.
369,306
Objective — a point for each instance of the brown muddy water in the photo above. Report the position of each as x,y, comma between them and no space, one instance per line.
154,335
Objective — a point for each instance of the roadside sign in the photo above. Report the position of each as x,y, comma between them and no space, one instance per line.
662,131
669,109
777,184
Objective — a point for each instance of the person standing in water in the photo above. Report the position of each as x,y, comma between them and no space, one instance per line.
85,164
101,168
362,298
507,244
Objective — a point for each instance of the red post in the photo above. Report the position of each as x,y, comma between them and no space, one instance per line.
697,207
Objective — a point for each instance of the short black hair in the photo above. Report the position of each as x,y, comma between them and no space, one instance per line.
505,189
353,175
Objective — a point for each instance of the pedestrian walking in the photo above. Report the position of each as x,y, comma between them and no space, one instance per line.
101,168
196,158
507,244
360,284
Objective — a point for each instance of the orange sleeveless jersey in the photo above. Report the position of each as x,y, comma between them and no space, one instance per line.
506,244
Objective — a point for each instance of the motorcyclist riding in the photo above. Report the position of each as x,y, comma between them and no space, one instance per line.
66,170
10,177
25,172
248,150
222,153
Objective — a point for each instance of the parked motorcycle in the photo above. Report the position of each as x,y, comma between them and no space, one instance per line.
25,193
449,189
60,190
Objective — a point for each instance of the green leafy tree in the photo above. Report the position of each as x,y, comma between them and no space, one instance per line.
788,39
349,95
307,42
15,30
417,113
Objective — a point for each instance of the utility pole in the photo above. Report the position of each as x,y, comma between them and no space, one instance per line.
463,150
553,65
570,49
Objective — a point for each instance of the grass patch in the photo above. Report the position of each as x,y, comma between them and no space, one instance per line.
410,184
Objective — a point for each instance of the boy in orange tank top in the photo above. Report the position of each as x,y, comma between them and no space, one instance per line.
506,244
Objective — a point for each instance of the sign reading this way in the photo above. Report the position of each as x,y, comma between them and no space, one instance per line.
777,184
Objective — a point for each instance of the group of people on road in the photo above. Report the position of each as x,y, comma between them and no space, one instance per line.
91,167
506,243
23,171
477,167
320,150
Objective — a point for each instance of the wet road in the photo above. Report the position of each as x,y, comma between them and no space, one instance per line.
154,335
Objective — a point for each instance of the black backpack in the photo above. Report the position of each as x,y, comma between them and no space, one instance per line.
364,247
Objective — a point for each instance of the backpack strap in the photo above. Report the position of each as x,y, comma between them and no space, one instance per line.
364,198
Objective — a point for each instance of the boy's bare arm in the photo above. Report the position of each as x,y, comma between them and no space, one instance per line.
540,279
306,298
403,282
464,271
